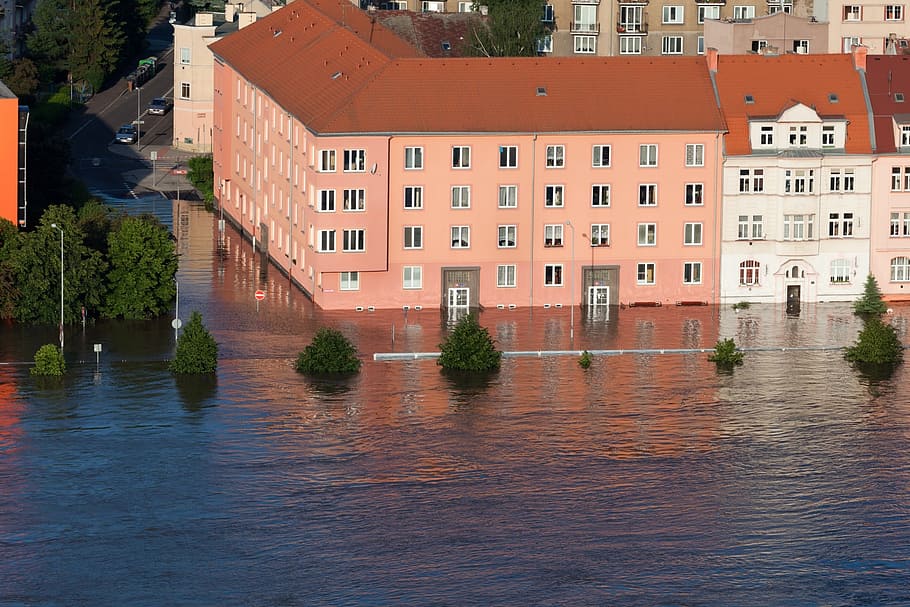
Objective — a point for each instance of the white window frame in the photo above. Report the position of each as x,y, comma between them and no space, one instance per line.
695,154
461,157
508,197
413,158
412,277
742,12
354,240
695,194
645,273
508,156
799,227
647,194
900,269
553,275
556,156
647,234
630,45
585,45
671,45
354,200
600,235
415,193
900,224
553,235
460,237
413,237
327,201
506,236
840,271
749,273
905,135
828,136
750,227
801,47
700,45
461,197
327,161
185,55
705,10
648,155
349,281
506,276
185,90
600,195
545,44
355,161
894,12
326,241
853,13
840,225
692,273
673,13
601,155
554,196
693,234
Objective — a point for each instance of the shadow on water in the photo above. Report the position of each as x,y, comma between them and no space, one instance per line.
335,384
466,388
196,390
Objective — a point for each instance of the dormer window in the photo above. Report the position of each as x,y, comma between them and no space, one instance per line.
905,135
799,136
828,136
766,137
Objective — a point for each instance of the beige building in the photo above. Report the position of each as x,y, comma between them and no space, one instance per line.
772,34
879,26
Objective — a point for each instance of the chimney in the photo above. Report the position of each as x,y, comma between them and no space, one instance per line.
859,57
711,58
229,11
204,19
246,19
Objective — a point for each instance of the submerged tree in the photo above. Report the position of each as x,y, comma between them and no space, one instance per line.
329,352
870,303
469,348
877,344
197,350
49,361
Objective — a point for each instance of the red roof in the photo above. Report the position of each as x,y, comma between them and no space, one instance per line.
885,76
776,83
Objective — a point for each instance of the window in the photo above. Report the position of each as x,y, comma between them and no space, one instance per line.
184,90
413,158
893,12
508,156
695,194
412,277
900,224
750,227
556,156
505,275
799,136
350,281
552,275
645,274
508,236
850,42
461,197
354,240
853,12
692,273
600,235
842,180
355,161
465,7
673,14
327,161
586,45
545,44
672,45
585,18
547,13
840,271
413,237
900,269
708,12
630,45
647,234
766,136
748,272
898,184
700,45
354,200
552,235
327,201
647,155
743,12
799,181
798,227
461,237
461,157
647,195
326,241
801,47
751,180
828,136
692,234
184,55
905,135
433,7
600,156
413,197
695,154
600,195
554,196
630,20
508,196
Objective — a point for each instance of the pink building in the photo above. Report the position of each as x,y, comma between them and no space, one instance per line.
377,177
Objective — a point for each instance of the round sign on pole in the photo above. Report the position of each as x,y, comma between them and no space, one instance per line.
176,323
260,294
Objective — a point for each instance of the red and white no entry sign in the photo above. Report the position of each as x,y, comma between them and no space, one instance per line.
260,294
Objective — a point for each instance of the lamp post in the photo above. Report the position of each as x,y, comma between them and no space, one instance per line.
138,115
59,229
572,287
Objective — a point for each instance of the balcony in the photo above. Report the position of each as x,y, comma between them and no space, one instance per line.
633,1
634,28
585,1
584,28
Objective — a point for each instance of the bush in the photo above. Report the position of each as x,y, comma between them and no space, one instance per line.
469,348
870,302
49,361
743,305
197,351
584,361
201,175
329,352
726,354
877,344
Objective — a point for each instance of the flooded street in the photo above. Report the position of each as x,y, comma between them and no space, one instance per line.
645,480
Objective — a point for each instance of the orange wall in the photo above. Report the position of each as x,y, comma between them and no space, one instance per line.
9,158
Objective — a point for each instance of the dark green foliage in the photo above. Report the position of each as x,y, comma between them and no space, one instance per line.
143,263
9,290
49,43
512,29
97,39
870,303
49,361
877,344
23,80
584,361
742,305
726,354
201,175
329,352
469,348
197,351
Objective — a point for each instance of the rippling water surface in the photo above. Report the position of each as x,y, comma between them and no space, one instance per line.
645,480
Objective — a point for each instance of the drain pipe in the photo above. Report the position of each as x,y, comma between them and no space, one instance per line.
533,225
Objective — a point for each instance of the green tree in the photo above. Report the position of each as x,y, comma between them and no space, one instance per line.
329,352
23,79
95,221
877,344
870,303
97,40
512,29
202,175
197,350
469,348
49,361
9,291
726,353
49,42
143,263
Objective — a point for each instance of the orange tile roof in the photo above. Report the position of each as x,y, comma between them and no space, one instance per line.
335,81
778,82
886,75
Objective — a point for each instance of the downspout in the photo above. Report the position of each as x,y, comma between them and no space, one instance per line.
388,203
255,201
533,225
711,56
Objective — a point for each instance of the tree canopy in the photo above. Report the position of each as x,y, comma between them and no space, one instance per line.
512,29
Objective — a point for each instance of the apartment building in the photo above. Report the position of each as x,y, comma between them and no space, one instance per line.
12,176
879,26
778,34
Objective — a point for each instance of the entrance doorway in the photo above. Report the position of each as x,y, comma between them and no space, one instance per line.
793,296
598,296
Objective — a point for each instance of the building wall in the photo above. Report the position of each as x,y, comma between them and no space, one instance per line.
891,195
871,26
9,157
779,32
193,63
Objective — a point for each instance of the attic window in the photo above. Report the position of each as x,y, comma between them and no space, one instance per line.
832,98
750,99
276,33
541,91
899,97
336,75
446,46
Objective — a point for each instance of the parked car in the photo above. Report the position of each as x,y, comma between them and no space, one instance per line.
126,134
159,106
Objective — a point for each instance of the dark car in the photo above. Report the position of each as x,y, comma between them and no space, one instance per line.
126,134
159,106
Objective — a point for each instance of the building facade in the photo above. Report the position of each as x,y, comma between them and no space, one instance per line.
879,26
779,34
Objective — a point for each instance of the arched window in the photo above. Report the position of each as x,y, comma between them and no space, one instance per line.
900,269
748,272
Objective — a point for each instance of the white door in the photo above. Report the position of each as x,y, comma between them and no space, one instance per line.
598,296
459,297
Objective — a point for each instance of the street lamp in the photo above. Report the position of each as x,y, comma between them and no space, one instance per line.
572,287
58,228
138,114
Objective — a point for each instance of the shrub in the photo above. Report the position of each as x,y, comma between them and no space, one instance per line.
329,352
725,353
877,344
870,302
584,361
742,305
469,348
49,361
201,175
197,351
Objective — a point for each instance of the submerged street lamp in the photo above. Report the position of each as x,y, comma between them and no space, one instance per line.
58,228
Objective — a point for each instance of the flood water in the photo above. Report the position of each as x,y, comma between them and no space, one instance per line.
645,480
